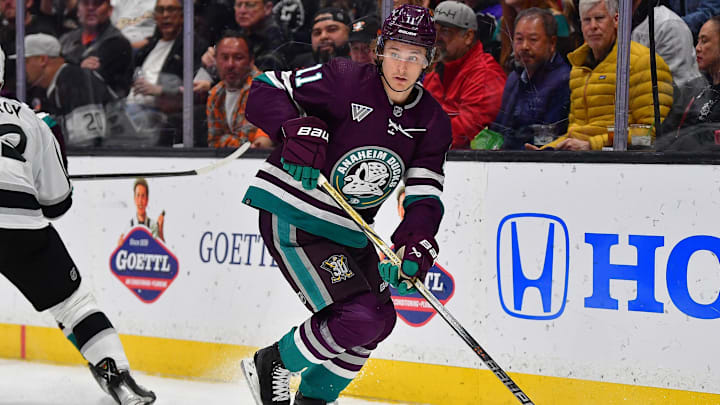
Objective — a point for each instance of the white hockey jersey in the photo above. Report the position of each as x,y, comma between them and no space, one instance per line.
34,185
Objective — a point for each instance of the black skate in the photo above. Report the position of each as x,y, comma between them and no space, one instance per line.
119,384
267,377
300,399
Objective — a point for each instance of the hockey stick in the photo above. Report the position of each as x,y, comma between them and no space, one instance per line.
205,169
434,302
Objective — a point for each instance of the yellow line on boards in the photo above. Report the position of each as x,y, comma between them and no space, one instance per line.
400,381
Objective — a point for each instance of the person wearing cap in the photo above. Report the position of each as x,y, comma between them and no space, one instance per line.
33,24
363,31
329,38
76,97
537,91
255,20
466,81
97,45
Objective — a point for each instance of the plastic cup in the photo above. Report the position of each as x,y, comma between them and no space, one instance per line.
543,134
640,137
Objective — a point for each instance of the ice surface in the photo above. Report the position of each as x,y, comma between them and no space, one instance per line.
31,383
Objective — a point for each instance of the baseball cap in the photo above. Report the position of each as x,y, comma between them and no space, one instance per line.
334,14
455,14
364,29
41,44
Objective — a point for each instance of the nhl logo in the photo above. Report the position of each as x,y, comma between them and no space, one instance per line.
397,111
337,266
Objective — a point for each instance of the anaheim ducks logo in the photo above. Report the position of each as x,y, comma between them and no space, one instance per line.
367,175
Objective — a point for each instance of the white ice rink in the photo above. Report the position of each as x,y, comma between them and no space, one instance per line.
30,383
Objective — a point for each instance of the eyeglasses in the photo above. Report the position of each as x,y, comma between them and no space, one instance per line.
414,59
250,5
160,10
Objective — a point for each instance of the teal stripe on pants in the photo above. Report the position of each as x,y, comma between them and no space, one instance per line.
297,266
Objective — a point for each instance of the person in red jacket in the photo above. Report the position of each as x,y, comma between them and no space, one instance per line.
466,81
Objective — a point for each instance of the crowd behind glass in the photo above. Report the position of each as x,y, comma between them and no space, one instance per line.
511,74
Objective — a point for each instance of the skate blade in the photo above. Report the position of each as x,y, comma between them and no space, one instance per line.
251,377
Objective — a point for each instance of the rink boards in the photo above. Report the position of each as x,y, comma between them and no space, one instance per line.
589,283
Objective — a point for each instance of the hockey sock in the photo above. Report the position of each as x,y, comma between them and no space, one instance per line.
327,380
89,329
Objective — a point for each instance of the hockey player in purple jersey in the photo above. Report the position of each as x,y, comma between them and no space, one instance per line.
366,128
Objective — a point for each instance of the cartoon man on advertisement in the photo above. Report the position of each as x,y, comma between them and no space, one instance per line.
142,262
141,193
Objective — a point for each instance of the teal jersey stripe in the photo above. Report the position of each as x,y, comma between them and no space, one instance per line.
263,78
414,198
294,261
259,198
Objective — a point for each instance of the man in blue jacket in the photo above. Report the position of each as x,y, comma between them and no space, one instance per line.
695,12
537,92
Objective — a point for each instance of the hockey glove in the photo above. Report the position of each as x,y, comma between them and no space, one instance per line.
418,256
303,153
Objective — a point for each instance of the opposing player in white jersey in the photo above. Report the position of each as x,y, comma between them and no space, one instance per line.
33,187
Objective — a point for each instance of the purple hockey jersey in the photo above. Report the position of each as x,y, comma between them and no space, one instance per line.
373,146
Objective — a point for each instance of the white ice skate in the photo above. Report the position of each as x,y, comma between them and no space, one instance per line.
119,384
267,377
248,368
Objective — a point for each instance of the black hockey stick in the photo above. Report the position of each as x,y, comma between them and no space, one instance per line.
205,169
434,302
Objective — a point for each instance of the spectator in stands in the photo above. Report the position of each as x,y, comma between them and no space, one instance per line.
363,33
98,45
673,41
76,97
33,24
695,12
227,126
592,82
294,16
537,91
701,115
134,18
511,8
466,81
254,17
158,76
329,38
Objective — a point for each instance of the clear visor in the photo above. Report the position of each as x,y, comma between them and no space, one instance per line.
408,57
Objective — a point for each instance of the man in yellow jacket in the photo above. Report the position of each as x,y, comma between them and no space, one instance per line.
592,82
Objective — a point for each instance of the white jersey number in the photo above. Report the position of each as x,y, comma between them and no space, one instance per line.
13,141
